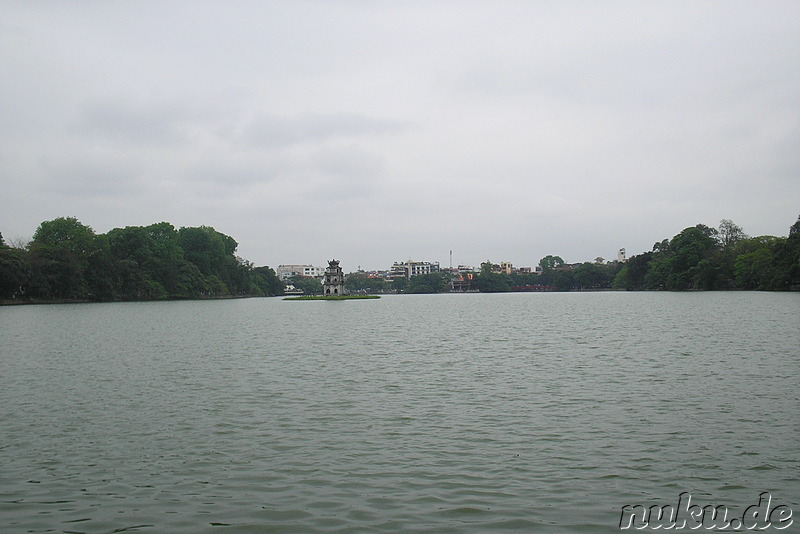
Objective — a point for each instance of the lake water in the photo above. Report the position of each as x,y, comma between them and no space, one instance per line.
458,413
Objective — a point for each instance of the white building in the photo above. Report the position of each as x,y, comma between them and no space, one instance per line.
410,268
285,272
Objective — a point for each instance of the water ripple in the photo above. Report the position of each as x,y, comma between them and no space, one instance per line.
463,413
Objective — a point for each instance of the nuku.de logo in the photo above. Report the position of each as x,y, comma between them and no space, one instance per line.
690,516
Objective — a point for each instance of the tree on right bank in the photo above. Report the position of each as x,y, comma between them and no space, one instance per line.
704,258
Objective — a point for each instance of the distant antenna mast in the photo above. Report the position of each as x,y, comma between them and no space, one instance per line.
451,260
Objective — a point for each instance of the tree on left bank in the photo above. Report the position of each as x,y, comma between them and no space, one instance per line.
66,260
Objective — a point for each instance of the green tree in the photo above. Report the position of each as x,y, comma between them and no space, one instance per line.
676,264
265,282
149,263
66,260
214,286
166,259
593,276
729,233
564,279
362,282
309,284
66,233
213,254
550,262
99,270
754,264
55,273
399,284
521,280
130,253
632,274
787,261
490,282
550,267
65,257
13,272
204,247
429,283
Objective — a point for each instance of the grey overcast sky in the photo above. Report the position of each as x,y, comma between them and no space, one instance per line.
376,131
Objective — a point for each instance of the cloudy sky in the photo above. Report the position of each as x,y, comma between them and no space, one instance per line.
386,130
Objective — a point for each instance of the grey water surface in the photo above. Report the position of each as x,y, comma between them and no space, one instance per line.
438,413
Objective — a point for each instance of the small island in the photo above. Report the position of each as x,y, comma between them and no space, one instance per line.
333,287
334,297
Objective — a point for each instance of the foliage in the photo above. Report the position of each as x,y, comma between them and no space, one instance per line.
489,282
633,272
399,284
362,282
594,276
66,260
685,262
309,285
264,282
703,258
524,280
66,233
729,233
429,283
550,262
754,265
13,272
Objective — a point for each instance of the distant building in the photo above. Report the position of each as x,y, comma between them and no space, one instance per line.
489,266
505,267
621,257
334,279
413,268
462,282
285,272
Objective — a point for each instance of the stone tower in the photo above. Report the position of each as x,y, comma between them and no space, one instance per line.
334,280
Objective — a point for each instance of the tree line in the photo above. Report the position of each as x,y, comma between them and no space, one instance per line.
705,258
697,258
67,260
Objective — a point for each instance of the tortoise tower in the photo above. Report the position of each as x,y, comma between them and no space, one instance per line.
334,280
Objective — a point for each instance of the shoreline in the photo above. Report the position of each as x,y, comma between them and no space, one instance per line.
41,302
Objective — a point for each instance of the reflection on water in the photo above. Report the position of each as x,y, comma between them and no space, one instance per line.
541,412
